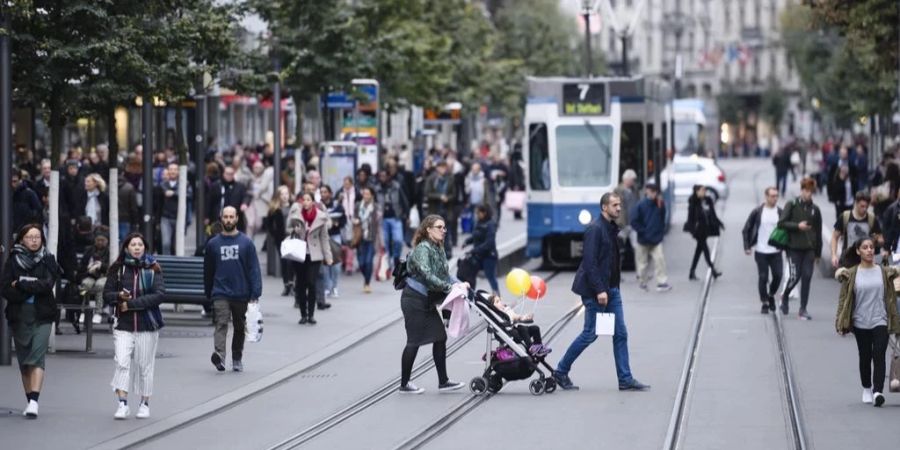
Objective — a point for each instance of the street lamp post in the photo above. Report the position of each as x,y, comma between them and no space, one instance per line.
147,183
273,266
625,54
588,60
5,166
200,163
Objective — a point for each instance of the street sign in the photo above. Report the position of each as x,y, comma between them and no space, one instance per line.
584,99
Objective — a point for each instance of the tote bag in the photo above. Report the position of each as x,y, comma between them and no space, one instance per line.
293,249
514,200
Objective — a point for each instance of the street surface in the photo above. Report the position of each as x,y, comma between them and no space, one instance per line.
299,375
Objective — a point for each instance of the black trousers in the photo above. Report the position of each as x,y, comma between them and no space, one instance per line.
872,345
765,263
801,267
306,276
530,334
701,248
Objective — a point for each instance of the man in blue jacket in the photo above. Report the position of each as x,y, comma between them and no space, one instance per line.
597,282
649,222
231,280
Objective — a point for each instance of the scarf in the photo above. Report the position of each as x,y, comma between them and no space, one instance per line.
365,213
348,201
142,266
308,215
92,209
26,259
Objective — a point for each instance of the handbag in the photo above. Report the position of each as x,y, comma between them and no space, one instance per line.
357,235
881,192
293,249
335,251
514,200
779,238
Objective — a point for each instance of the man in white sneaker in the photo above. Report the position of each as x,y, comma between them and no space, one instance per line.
762,220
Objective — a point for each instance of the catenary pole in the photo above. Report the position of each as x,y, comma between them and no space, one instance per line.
5,166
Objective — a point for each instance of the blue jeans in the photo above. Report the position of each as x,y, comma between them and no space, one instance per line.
589,335
124,229
332,274
365,254
392,235
489,267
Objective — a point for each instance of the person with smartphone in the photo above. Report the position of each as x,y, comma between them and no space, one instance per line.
134,284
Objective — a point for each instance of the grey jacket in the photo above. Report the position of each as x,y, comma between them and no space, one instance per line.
317,240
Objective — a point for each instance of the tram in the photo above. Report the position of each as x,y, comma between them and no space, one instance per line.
582,134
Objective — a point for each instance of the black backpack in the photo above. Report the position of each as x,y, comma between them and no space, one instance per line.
400,274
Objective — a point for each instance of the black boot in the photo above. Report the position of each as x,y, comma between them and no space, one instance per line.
716,274
692,277
288,288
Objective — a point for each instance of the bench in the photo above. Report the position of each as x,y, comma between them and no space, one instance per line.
83,307
183,279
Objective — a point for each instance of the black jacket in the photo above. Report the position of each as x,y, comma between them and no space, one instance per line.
81,206
890,221
222,194
47,274
702,224
484,240
599,268
143,312
27,207
275,224
86,261
751,227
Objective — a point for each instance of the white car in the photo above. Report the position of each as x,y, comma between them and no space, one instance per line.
691,170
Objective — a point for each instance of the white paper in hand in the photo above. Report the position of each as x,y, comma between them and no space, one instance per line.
606,324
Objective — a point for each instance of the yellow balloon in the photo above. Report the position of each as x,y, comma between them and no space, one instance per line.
518,282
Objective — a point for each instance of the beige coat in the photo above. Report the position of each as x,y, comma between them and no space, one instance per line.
317,240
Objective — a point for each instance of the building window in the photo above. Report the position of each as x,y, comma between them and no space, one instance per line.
773,11
740,16
649,53
612,42
756,70
773,65
727,14
757,13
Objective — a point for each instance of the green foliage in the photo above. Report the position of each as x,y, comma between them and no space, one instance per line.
773,103
730,105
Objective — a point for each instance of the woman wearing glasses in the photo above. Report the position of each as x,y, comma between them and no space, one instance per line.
428,283
27,285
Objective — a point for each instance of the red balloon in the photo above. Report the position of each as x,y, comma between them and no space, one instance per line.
538,288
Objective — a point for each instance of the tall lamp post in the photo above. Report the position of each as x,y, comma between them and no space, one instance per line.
586,9
5,165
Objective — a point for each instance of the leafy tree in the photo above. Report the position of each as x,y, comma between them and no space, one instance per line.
730,104
773,103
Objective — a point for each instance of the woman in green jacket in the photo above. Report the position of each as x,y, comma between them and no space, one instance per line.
868,309
428,283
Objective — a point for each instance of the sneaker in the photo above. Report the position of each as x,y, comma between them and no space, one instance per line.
449,385
635,385
544,351
323,305
663,287
410,388
803,315
217,361
771,303
367,289
764,309
535,349
867,396
564,382
143,411
286,291
334,293
122,411
31,411
785,309
312,321
303,320
237,366
879,400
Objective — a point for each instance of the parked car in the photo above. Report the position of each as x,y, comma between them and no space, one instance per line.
693,169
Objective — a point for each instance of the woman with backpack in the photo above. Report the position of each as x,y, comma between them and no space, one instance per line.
867,308
702,222
29,275
134,284
428,283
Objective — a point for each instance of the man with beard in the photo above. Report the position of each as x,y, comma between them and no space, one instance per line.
231,280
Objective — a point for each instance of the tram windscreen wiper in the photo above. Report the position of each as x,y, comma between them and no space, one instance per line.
596,136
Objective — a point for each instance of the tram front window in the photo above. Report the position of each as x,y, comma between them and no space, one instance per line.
584,155
686,138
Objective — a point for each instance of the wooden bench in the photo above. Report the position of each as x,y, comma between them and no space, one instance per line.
183,279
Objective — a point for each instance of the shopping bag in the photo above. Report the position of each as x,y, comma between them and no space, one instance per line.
779,238
894,383
514,200
254,323
382,266
606,324
467,221
414,219
293,249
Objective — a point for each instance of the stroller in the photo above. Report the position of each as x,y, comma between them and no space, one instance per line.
510,360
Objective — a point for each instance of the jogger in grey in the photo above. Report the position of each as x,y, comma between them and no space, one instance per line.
231,280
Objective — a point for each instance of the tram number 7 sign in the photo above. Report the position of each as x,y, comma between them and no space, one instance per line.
584,99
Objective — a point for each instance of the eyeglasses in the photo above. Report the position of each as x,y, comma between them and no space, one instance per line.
442,228
31,238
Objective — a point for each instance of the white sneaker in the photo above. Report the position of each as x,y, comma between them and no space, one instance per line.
31,411
867,395
334,293
143,411
122,412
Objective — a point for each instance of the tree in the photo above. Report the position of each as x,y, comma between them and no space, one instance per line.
773,103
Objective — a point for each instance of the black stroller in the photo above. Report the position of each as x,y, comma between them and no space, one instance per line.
510,360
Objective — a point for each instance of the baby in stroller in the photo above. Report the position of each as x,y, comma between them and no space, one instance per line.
527,331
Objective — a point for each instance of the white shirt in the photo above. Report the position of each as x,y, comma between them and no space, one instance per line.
768,220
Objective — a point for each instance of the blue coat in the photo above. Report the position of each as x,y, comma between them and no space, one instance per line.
649,221
600,253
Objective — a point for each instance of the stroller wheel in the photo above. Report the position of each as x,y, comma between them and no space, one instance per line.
478,386
536,387
549,385
495,383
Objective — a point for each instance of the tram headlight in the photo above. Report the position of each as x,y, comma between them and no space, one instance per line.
584,217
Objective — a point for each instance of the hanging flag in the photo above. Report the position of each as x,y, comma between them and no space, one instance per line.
732,53
744,55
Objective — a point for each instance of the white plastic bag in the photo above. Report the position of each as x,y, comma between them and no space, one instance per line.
414,219
254,328
293,249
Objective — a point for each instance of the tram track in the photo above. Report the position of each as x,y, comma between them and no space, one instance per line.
794,420
470,403
378,395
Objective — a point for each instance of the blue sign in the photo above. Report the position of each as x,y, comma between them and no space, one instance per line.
339,100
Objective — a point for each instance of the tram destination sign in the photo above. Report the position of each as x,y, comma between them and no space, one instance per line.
584,99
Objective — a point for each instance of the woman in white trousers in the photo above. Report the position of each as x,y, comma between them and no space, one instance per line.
135,285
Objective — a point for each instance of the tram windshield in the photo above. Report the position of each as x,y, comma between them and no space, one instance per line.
584,155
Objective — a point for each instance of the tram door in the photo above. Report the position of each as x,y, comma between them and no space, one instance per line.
631,151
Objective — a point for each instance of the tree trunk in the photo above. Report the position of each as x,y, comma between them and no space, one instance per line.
113,184
56,135
181,217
